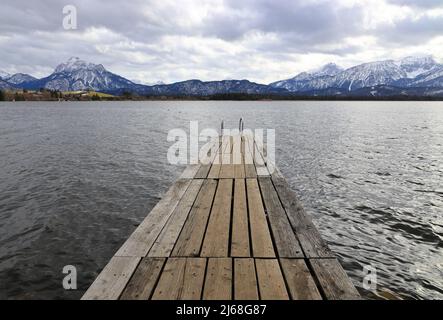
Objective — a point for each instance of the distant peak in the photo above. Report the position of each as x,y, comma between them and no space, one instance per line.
4,75
424,59
75,63
330,69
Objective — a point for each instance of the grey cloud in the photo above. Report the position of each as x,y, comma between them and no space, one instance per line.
133,41
418,3
412,31
304,22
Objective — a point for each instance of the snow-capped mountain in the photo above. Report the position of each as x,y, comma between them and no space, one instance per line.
404,73
5,85
411,75
415,66
319,78
19,78
76,74
4,75
368,74
206,88
330,69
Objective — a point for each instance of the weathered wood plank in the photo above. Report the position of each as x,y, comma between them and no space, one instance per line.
181,279
145,277
237,153
284,237
190,171
193,279
141,240
227,171
205,168
226,147
218,283
249,161
270,280
299,279
333,280
277,174
240,229
163,245
262,171
214,173
261,241
310,239
171,280
250,171
111,282
239,171
216,241
191,237
203,172
259,160
245,280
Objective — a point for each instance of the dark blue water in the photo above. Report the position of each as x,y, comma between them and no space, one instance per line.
77,178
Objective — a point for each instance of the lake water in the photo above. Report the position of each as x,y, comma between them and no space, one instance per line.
77,178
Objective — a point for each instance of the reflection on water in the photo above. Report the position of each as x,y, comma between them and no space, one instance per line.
77,178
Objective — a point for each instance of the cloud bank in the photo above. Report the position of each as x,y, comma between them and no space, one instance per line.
263,41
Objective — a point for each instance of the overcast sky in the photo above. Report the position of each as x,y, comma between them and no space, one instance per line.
263,41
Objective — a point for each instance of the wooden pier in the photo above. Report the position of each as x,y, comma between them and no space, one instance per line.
227,229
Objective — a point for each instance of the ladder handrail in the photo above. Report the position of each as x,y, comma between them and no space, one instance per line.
241,124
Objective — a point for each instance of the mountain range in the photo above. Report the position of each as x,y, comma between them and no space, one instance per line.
411,76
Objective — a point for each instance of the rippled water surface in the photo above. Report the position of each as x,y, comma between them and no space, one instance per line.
77,178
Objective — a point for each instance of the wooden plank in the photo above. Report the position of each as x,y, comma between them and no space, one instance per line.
216,242
218,283
299,280
237,153
245,280
141,240
262,171
191,237
145,277
182,279
259,160
227,171
239,171
261,241
205,169
310,239
193,279
208,151
203,172
277,174
240,230
333,280
214,173
270,280
113,279
250,171
190,171
163,245
226,147
249,156
171,280
284,237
